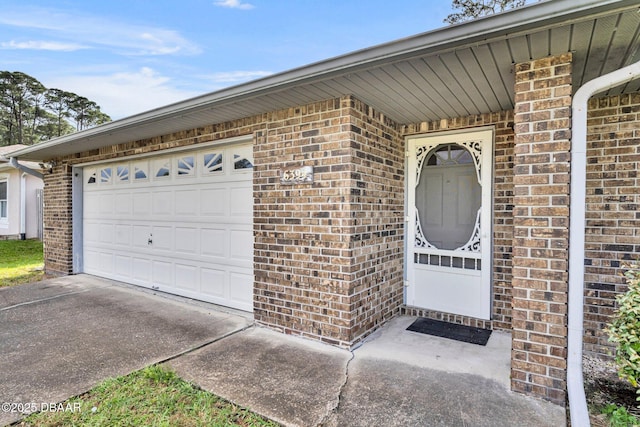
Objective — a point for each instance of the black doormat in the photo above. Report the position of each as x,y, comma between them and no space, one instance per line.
450,330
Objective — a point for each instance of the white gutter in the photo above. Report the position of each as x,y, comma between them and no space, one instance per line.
575,382
13,161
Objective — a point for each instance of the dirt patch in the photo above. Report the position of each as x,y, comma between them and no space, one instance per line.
602,387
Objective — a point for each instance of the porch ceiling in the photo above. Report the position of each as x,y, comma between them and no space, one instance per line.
455,71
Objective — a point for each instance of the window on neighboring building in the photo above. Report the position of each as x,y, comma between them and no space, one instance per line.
3,200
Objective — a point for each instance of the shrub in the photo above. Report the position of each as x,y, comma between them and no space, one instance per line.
619,416
624,330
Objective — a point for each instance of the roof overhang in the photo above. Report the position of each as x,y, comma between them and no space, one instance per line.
455,71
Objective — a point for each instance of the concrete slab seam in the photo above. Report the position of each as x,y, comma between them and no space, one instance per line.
199,346
44,299
334,409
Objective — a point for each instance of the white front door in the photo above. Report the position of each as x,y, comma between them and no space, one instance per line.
449,201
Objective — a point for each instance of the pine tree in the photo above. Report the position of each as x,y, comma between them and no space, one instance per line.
31,113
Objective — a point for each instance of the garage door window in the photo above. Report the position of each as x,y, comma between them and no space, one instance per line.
186,166
91,176
212,162
122,173
105,175
163,168
141,170
241,163
241,158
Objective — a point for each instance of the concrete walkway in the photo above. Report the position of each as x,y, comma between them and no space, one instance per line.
396,378
62,336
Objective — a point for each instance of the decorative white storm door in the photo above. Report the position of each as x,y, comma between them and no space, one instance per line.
449,201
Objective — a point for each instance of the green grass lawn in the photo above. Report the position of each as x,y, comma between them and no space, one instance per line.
153,396
21,261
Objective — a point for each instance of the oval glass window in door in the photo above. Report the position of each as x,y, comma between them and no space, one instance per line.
448,198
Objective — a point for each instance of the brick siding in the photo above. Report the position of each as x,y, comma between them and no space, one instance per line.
302,259
377,219
541,221
57,221
613,200
329,254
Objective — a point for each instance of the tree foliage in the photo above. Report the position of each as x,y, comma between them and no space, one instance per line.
471,9
30,113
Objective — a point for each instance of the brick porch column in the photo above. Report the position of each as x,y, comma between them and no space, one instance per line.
58,220
541,227
328,254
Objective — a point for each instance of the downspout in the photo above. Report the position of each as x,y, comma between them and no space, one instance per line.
23,206
575,382
14,162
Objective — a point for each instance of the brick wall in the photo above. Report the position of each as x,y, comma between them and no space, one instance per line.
329,254
502,214
57,219
302,257
613,201
377,219
541,220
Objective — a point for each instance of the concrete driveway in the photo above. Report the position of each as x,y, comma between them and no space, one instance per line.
60,337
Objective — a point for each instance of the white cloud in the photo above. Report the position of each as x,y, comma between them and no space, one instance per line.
156,41
237,76
42,45
125,93
122,94
100,32
234,4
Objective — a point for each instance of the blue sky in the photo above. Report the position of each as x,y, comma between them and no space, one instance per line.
136,55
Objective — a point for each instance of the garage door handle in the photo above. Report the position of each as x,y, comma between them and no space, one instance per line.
150,240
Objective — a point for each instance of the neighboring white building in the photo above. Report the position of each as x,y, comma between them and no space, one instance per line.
20,198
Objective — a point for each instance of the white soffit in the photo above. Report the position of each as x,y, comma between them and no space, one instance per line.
455,71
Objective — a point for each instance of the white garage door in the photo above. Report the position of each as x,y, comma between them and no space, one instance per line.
180,223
